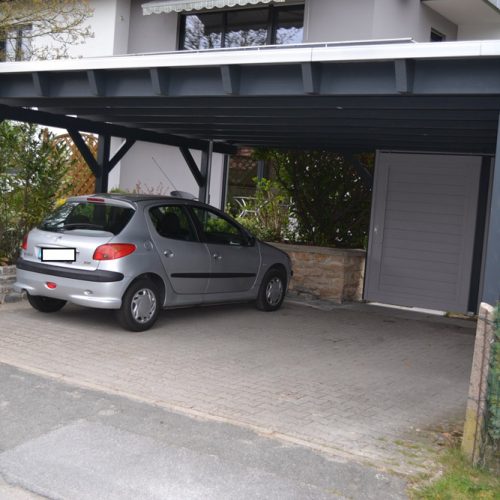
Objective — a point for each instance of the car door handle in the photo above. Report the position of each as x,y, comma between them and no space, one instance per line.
217,256
168,253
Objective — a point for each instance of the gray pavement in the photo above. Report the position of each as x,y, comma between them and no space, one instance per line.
358,382
59,441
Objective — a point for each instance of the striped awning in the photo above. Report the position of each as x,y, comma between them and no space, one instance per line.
166,6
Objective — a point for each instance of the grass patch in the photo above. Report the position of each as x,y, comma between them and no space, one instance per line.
460,481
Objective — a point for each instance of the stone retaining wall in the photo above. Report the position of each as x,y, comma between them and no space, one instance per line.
326,273
7,279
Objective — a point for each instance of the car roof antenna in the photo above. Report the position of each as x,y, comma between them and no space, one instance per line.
175,193
164,174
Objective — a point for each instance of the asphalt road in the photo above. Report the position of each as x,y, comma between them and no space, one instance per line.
59,441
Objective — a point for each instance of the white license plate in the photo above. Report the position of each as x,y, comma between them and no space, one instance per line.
58,254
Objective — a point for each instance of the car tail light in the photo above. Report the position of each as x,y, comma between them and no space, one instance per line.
113,251
24,244
51,285
96,200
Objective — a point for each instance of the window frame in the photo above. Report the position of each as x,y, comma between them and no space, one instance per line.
248,239
440,37
272,19
14,43
185,210
96,217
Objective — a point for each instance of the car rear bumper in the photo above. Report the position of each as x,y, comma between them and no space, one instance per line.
95,276
101,295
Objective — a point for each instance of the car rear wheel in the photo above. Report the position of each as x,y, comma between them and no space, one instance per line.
140,306
272,291
45,304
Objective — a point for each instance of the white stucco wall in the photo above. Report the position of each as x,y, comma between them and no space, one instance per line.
153,33
407,18
122,26
344,20
338,20
162,169
103,24
109,24
484,31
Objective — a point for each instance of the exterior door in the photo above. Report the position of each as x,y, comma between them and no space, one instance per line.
186,260
234,263
422,230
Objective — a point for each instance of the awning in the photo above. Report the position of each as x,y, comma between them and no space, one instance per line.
166,6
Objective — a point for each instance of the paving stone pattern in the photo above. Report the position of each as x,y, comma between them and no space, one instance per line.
357,380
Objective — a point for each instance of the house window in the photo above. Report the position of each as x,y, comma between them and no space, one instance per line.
436,36
242,28
16,46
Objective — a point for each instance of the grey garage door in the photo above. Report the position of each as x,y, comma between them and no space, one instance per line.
422,230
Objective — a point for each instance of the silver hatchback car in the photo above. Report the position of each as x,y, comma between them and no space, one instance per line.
137,254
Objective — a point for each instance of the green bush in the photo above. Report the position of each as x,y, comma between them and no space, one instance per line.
329,199
32,175
268,212
493,421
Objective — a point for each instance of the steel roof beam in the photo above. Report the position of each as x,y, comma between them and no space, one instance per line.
231,79
67,122
193,167
257,104
186,128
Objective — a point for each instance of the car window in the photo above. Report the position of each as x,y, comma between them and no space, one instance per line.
217,229
172,222
89,216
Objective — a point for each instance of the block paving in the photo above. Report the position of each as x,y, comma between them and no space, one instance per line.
357,381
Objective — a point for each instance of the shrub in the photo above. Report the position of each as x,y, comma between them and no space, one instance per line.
32,177
267,216
329,199
493,396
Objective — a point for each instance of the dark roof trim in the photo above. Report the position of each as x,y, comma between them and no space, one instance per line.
102,128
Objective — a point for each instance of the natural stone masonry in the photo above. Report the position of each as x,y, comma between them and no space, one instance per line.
359,380
7,279
478,385
326,273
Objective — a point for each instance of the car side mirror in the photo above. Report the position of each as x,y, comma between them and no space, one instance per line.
251,240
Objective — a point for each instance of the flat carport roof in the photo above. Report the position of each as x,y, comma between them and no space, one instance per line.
394,95
433,97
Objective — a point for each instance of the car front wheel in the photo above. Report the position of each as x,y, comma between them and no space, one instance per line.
45,304
272,291
140,306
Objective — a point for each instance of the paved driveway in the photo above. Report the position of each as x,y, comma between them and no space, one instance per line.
356,381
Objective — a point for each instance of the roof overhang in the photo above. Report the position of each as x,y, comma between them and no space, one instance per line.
365,96
167,6
467,11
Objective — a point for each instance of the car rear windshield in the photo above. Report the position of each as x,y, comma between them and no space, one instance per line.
90,216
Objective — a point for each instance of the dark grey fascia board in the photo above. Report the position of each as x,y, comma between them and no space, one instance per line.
102,128
468,75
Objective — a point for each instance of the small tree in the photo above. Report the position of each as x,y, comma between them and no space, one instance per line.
42,29
32,171
329,199
268,216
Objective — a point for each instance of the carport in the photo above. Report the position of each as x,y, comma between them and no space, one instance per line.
395,96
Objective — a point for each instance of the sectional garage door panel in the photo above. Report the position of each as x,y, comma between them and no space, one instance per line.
422,230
